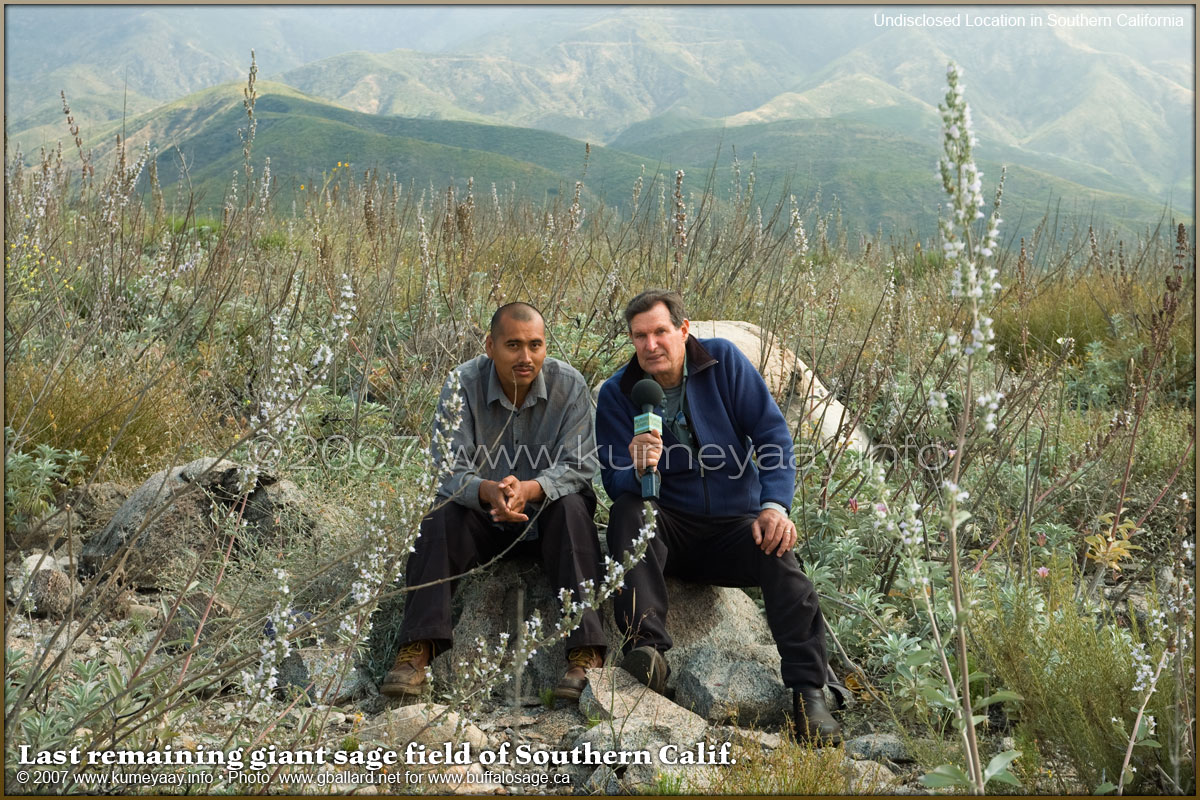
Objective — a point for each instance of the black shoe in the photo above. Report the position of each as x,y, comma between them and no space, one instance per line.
648,666
811,718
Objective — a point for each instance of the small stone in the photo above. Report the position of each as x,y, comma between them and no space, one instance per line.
571,734
52,592
324,674
180,630
184,742
748,737
428,723
721,684
614,694
604,781
32,563
869,777
878,746
141,612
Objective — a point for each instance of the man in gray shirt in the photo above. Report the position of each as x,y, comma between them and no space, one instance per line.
521,463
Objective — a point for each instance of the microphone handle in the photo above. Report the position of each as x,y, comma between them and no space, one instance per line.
651,483
644,423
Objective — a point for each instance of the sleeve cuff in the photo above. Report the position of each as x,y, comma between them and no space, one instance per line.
470,493
776,506
551,490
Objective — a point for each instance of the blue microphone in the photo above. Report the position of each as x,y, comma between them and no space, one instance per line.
647,395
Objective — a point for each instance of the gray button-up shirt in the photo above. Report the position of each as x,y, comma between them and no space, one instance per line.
551,438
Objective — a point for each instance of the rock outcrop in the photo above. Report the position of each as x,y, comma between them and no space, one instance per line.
724,664
811,409
631,719
167,519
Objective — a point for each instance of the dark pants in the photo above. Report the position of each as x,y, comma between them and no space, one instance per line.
455,538
719,551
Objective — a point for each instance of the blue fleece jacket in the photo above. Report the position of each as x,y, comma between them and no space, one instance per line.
744,452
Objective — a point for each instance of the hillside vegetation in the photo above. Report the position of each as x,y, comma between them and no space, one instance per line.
873,177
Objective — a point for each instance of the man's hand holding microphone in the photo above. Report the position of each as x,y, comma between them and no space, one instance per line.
646,449
646,446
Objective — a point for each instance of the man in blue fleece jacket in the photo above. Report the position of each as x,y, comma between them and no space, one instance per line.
726,461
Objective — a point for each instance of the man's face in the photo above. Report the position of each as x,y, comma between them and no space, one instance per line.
518,349
660,345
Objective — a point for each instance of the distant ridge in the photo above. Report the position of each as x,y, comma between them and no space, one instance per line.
1098,119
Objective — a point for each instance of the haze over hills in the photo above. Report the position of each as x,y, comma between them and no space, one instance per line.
874,177
115,59
1101,117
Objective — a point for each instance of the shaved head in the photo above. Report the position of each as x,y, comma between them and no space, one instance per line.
519,312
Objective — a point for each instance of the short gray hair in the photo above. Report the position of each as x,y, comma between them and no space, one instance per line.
650,298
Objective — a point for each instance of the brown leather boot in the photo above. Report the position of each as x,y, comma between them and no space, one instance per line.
579,661
406,678
811,717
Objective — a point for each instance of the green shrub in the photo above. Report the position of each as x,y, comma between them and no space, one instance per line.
1108,320
1073,670
30,479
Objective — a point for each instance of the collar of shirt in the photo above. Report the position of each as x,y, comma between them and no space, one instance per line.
495,392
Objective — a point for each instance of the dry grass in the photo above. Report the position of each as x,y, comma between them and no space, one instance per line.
133,418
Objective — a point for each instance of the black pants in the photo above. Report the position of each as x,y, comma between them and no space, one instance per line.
455,538
719,551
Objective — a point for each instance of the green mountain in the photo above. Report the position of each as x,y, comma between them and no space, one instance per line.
886,181
1094,114
1052,94
1045,91
305,137
878,179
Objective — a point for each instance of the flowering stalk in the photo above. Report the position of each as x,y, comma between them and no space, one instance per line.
1180,625
976,284
1146,682
679,239
910,531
